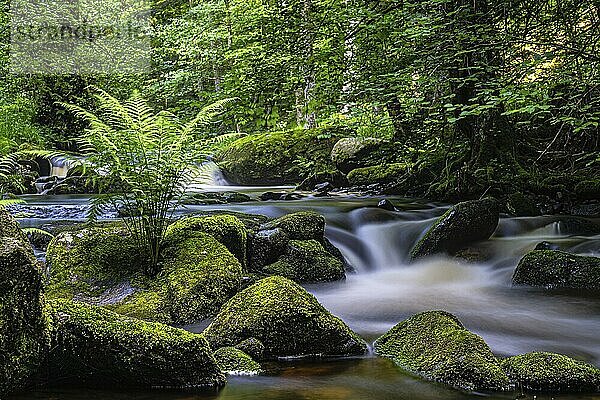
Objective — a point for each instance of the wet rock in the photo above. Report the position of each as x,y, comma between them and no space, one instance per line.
92,345
324,188
234,361
352,152
209,198
546,246
555,269
23,326
577,226
377,175
387,205
286,196
304,225
521,205
549,372
459,227
436,346
267,246
336,178
306,261
286,319
586,210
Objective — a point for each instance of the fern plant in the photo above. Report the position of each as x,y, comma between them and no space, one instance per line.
144,160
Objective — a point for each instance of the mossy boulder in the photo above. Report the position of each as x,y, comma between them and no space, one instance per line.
303,225
306,261
521,205
588,190
557,269
267,246
253,347
23,331
352,152
377,174
92,346
436,346
549,372
459,227
287,319
235,361
227,229
10,228
275,157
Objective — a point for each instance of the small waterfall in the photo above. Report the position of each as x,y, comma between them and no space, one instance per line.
59,166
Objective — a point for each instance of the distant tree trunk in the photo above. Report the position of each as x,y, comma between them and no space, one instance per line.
306,116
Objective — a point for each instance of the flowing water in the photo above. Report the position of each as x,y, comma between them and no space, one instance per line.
386,289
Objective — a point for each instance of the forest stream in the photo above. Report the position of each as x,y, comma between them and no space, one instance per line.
386,289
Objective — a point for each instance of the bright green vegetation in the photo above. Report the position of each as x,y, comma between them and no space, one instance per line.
377,174
280,157
550,372
91,344
286,319
460,226
303,225
557,269
235,361
436,346
23,331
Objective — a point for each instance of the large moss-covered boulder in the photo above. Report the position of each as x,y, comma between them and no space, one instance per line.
304,225
23,330
235,361
549,372
287,319
460,226
10,228
353,152
436,346
92,345
272,158
377,174
227,229
557,269
306,261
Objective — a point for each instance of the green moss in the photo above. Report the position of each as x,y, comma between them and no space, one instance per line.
521,205
280,157
588,190
10,228
378,174
92,345
253,347
436,346
350,153
307,261
235,361
23,329
227,229
557,269
459,227
286,319
550,372
304,225
200,275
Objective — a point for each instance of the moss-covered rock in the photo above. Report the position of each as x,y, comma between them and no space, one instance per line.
95,346
556,269
199,276
377,174
303,225
306,261
459,227
227,229
287,319
267,246
253,347
350,153
280,157
436,346
23,331
588,190
549,372
521,205
10,228
235,361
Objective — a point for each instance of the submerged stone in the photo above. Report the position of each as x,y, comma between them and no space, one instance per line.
287,319
549,372
94,346
459,227
555,269
436,346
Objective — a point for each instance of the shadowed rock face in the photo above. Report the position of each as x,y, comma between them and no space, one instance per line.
460,226
556,269
286,319
23,329
436,346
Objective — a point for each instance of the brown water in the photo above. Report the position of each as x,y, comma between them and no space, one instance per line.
386,289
